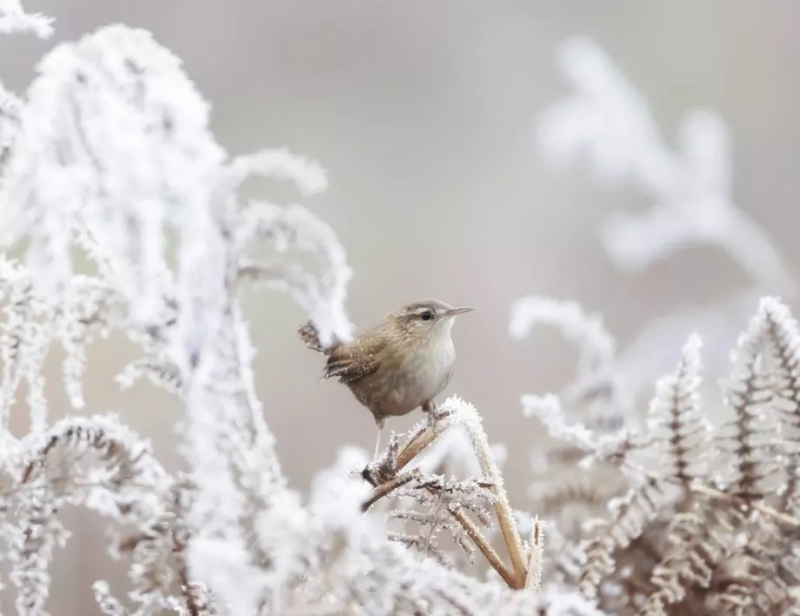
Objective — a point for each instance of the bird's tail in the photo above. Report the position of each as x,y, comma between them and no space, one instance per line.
310,336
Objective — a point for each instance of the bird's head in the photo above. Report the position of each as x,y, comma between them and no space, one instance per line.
426,318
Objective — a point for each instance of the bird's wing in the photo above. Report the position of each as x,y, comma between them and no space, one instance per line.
350,362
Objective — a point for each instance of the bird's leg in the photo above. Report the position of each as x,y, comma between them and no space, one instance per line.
430,410
380,423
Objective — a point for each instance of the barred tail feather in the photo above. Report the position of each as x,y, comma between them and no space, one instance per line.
310,336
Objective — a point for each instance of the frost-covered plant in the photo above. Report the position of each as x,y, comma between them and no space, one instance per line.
706,517
129,218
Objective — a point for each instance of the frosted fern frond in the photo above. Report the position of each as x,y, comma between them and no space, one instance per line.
676,420
629,517
699,540
750,437
597,393
782,358
125,461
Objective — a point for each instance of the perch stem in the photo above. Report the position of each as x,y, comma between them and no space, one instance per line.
485,547
386,488
421,441
502,507
515,577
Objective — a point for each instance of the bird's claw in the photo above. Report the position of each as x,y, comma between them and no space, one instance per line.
434,413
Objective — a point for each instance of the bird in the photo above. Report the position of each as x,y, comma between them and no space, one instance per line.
399,364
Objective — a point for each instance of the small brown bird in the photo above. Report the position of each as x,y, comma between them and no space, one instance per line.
402,362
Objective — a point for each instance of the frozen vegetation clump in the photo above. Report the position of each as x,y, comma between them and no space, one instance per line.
108,160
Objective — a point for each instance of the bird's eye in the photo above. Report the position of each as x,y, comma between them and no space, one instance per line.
426,315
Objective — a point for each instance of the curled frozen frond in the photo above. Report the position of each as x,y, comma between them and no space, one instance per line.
598,392
548,411
308,175
587,331
321,294
157,551
161,373
127,479
676,420
606,119
13,19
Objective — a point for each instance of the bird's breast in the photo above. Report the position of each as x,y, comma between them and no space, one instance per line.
420,377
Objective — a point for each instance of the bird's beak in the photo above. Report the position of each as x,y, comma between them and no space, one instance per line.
460,310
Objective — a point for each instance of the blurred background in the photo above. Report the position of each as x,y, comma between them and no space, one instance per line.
425,116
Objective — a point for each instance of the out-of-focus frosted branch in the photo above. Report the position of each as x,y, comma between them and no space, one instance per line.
13,19
547,409
113,137
595,344
608,121
598,386
307,174
323,294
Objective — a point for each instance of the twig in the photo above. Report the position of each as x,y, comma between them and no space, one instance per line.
484,546
421,441
385,488
533,580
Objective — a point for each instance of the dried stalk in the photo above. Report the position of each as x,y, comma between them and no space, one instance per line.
422,440
502,507
484,546
386,488
533,580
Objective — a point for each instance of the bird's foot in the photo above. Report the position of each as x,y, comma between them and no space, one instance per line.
434,414
383,468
